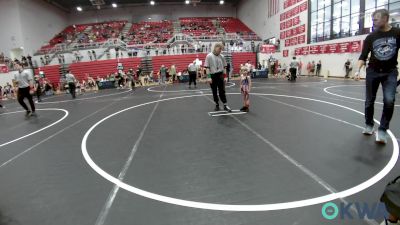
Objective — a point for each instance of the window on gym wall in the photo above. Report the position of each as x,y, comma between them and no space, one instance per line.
333,19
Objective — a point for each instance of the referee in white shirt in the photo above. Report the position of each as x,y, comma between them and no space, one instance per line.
24,82
192,69
215,64
70,78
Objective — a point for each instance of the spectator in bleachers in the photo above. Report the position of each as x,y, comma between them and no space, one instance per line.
90,55
47,59
94,55
2,58
29,60
24,60
59,58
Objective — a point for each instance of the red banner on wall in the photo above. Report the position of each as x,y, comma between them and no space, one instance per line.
268,49
287,43
302,39
303,7
306,50
355,46
339,48
302,28
298,51
285,53
3,69
343,47
333,48
296,20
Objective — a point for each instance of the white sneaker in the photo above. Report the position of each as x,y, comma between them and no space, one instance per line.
381,137
368,130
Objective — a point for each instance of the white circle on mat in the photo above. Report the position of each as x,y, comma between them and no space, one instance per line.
37,131
151,89
226,207
342,96
81,99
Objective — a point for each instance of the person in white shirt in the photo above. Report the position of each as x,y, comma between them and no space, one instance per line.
24,82
215,64
71,83
294,65
192,69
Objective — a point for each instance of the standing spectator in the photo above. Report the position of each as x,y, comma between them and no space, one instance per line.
192,69
2,57
94,55
30,60
294,65
117,52
42,61
76,56
347,67
162,74
47,57
312,68
318,71
24,61
228,70
90,55
138,71
38,87
24,82
71,83
131,78
381,70
216,68
172,72
309,68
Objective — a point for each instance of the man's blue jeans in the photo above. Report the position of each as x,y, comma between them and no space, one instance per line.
389,85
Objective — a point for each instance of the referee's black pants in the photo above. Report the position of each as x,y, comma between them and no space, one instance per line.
192,78
218,87
24,93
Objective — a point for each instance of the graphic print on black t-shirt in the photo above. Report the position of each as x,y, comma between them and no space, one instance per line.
384,48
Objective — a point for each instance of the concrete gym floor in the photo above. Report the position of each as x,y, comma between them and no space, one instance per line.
301,140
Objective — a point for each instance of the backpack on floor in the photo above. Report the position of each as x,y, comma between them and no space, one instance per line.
391,197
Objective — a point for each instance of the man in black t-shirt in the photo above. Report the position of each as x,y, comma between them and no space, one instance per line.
383,44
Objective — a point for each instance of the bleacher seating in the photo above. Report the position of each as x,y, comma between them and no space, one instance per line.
52,73
241,58
147,32
155,32
233,25
99,32
101,68
198,26
181,61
